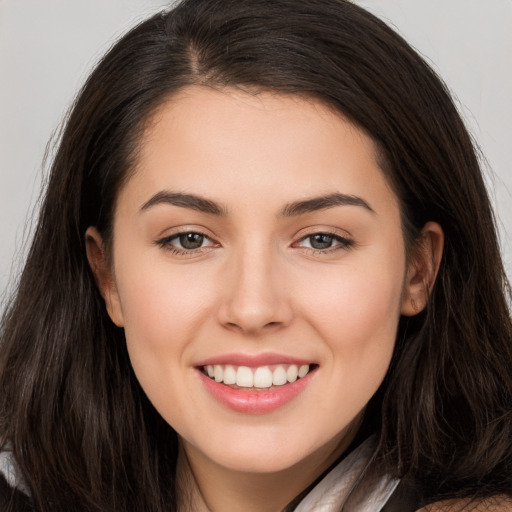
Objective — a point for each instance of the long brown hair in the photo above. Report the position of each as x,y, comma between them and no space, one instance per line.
83,432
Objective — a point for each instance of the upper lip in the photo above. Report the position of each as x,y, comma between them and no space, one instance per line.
264,359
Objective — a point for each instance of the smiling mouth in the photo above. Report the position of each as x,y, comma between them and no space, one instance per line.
259,378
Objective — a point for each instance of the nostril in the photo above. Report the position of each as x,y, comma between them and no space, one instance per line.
253,312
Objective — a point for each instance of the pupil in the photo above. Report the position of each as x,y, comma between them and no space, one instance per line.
191,240
321,241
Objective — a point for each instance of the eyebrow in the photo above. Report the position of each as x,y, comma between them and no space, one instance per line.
322,203
201,204
182,200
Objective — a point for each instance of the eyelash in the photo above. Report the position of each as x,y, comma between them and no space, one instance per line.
166,243
343,243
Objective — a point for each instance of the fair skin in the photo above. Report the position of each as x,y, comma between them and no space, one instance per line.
265,279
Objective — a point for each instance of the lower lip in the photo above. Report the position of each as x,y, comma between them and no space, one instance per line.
252,401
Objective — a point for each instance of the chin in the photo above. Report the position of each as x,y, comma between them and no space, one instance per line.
269,450
258,461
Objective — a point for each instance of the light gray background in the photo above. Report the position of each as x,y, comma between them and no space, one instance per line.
47,48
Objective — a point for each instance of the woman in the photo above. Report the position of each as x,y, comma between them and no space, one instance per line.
265,277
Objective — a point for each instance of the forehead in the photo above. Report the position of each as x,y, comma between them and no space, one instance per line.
229,143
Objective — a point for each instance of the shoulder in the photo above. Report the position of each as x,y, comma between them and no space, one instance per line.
495,504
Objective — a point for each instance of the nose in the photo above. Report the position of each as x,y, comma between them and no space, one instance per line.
254,299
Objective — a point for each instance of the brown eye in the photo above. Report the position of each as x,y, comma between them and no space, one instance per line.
321,241
191,240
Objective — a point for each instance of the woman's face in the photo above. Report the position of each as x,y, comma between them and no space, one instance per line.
259,241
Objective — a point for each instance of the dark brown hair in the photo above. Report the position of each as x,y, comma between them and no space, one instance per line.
83,433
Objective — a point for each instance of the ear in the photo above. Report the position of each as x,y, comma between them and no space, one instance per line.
103,274
422,269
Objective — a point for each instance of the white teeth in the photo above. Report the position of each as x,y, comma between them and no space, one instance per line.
218,373
229,375
303,370
279,376
292,373
261,377
244,377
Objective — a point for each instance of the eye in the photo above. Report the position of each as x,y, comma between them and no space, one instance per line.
190,240
324,242
186,242
320,241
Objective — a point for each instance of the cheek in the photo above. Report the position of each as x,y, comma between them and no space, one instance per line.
162,307
356,311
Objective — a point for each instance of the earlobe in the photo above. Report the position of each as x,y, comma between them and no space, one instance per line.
422,269
102,272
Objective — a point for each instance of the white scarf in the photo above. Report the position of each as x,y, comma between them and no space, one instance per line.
9,470
332,492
